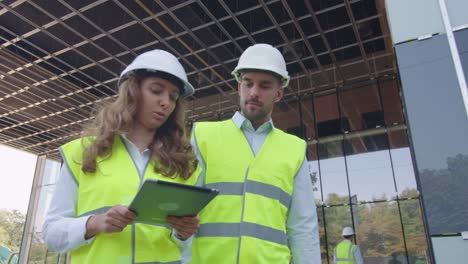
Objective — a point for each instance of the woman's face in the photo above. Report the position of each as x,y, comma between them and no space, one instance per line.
158,99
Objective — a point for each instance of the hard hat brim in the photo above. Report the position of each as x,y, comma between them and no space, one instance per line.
237,71
187,90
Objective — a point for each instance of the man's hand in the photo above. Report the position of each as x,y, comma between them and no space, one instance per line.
114,220
185,226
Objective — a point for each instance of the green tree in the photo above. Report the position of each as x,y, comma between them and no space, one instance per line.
4,236
12,224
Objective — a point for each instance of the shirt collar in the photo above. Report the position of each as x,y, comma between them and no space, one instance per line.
241,122
129,143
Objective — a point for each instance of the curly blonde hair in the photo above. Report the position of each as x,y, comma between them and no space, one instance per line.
174,157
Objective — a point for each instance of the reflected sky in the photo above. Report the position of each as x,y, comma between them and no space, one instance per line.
370,175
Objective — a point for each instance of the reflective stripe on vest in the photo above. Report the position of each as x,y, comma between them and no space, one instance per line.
246,222
344,253
237,188
116,181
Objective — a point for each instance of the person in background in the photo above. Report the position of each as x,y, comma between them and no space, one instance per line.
346,252
139,135
265,212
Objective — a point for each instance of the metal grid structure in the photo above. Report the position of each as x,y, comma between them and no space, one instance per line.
58,58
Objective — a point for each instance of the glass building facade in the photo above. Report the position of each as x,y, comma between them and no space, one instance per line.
361,168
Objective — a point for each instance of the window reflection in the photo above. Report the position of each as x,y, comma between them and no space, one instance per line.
336,217
379,233
391,102
361,108
414,230
461,37
323,239
286,117
308,118
315,176
333,174
402,164
369,172
327,115
38,251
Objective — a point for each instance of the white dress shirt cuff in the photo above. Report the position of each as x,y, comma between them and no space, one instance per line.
182,244
78,232
185,247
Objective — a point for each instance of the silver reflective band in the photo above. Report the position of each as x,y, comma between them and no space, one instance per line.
245,229
227,188
345,259
171,262
267,190
97,211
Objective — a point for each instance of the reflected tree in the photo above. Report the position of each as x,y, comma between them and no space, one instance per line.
379,230
446,196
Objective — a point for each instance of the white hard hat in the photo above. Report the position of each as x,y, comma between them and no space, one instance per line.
262,57
347,231
159,61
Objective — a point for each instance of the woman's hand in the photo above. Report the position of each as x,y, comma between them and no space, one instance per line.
185,226
114,220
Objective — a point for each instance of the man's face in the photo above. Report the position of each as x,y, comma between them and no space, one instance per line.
258,92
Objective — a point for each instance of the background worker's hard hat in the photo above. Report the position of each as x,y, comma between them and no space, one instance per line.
262,57
159,61
347,231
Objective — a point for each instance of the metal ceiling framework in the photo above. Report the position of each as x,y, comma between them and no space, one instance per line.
59,58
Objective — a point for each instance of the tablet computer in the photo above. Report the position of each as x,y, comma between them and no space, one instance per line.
157,199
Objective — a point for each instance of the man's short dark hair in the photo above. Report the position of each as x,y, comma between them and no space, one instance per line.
348,237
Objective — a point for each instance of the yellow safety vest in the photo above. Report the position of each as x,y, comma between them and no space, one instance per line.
246,222
116,181
344,253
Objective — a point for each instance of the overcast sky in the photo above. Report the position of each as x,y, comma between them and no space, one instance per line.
16,175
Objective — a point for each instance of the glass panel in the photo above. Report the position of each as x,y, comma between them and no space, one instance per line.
327,115
323,241
461,37
379,234
330,150
336,217
308,118
437,118
38,251
333,174
402,164
369,168
286,117
361,108
450,249
391,102
457,12
411,19
414,231
315,176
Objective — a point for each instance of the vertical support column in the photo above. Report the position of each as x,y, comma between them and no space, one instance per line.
32,209
455,55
